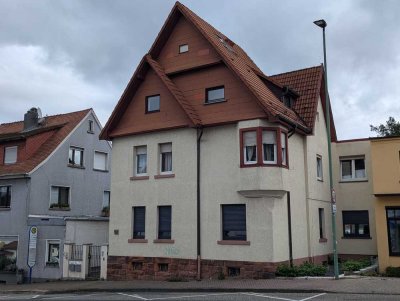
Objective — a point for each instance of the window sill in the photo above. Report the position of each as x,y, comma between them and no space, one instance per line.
164,241
137,240
5,209
90,132
234,242
320,179
76,166
322,240
101,170
139,178
164,176
356,237
151,112
52,265
222,100
243,165
60,209
353,181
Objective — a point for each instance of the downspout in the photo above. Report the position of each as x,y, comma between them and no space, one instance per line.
289,229
199,135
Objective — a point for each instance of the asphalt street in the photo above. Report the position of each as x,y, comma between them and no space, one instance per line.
202,296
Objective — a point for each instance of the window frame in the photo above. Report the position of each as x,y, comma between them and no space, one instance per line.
90,126
109,199
218,100
46,258
5,153
135,169
260,155
223,236
321,224
356,235
9,193
73,149
158,222
134,220
69,198
147,104
391,253
182,45
353,170
168,172
321,176
106,165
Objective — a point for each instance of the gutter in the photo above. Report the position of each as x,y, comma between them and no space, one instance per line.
302,128
15,176
289,229
199,135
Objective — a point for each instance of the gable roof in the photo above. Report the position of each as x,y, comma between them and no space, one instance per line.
60,126
307,84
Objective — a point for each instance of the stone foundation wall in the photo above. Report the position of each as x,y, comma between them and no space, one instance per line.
160,268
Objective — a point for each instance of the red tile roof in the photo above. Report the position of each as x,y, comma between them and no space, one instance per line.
61,125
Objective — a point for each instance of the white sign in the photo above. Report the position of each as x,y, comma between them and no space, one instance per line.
334,208
32,246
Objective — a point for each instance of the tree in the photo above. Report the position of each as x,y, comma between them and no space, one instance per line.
392,128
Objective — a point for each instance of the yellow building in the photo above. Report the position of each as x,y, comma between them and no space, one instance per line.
385,156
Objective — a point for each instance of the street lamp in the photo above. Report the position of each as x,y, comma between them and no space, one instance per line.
321,23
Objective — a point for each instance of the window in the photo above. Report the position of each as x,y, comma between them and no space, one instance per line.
139,219
319,168
10,154
100,161
141,160
321,223
355,223
164,222
75,156
234,222
288,101
269,147
59,197
106,199
216,94
5,196
393,226
166,158
183,48
53,252
352,169
90,127
250,147
153,104
263,146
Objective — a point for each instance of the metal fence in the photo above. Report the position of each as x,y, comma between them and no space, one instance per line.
76,252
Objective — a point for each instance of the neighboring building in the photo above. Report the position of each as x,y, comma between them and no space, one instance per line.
217,167
385,153
53,170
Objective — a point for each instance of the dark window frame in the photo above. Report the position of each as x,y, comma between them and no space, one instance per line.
147,104
391,253
90,127
7,204
137,233
162,232
225,236
357,225
75,149
321,223
59,204
217,100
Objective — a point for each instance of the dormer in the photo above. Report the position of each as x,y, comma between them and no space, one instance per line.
289,97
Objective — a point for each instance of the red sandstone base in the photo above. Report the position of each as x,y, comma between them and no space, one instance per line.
159,268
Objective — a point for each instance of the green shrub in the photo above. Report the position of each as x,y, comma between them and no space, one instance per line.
393,271
354,265
305,269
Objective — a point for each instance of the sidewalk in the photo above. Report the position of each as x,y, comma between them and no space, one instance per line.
364,285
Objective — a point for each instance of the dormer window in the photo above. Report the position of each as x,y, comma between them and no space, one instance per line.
215,94
183,48
10,154
288,101
153,104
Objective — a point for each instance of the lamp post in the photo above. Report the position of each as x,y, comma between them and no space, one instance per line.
321,23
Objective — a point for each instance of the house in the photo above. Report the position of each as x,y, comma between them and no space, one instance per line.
217,167
53,171
385,157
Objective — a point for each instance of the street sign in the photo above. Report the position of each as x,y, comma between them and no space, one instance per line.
33,232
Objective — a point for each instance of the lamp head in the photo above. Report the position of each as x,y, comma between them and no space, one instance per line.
320,23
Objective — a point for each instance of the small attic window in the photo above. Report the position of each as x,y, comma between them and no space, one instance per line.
183,48
152,104
90,127
288,101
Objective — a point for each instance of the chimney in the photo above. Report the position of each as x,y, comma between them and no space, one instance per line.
31,119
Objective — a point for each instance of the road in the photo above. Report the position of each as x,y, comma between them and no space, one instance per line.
201,296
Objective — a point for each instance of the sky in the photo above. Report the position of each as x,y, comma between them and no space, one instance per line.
64,56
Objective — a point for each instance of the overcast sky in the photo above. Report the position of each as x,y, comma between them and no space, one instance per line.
70,55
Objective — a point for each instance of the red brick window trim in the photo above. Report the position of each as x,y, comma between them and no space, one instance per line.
265,146
164,241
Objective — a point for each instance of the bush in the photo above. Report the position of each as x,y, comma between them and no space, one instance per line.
305,269
354,265
393,271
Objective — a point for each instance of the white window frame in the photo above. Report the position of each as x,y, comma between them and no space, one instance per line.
136,161
106,165
46,255
5,154
185,48
160,158
275,161
109,199
353,169
69,196
73,147
320,177
245,149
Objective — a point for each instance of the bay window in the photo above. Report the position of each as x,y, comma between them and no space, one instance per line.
269,146
250,147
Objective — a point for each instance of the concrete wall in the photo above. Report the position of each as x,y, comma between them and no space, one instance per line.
354,195
86,232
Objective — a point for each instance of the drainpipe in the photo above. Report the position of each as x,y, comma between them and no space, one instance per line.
199,135
289,228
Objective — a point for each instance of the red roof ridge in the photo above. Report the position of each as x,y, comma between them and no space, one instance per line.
292,71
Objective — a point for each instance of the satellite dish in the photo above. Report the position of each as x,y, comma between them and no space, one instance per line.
40,116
